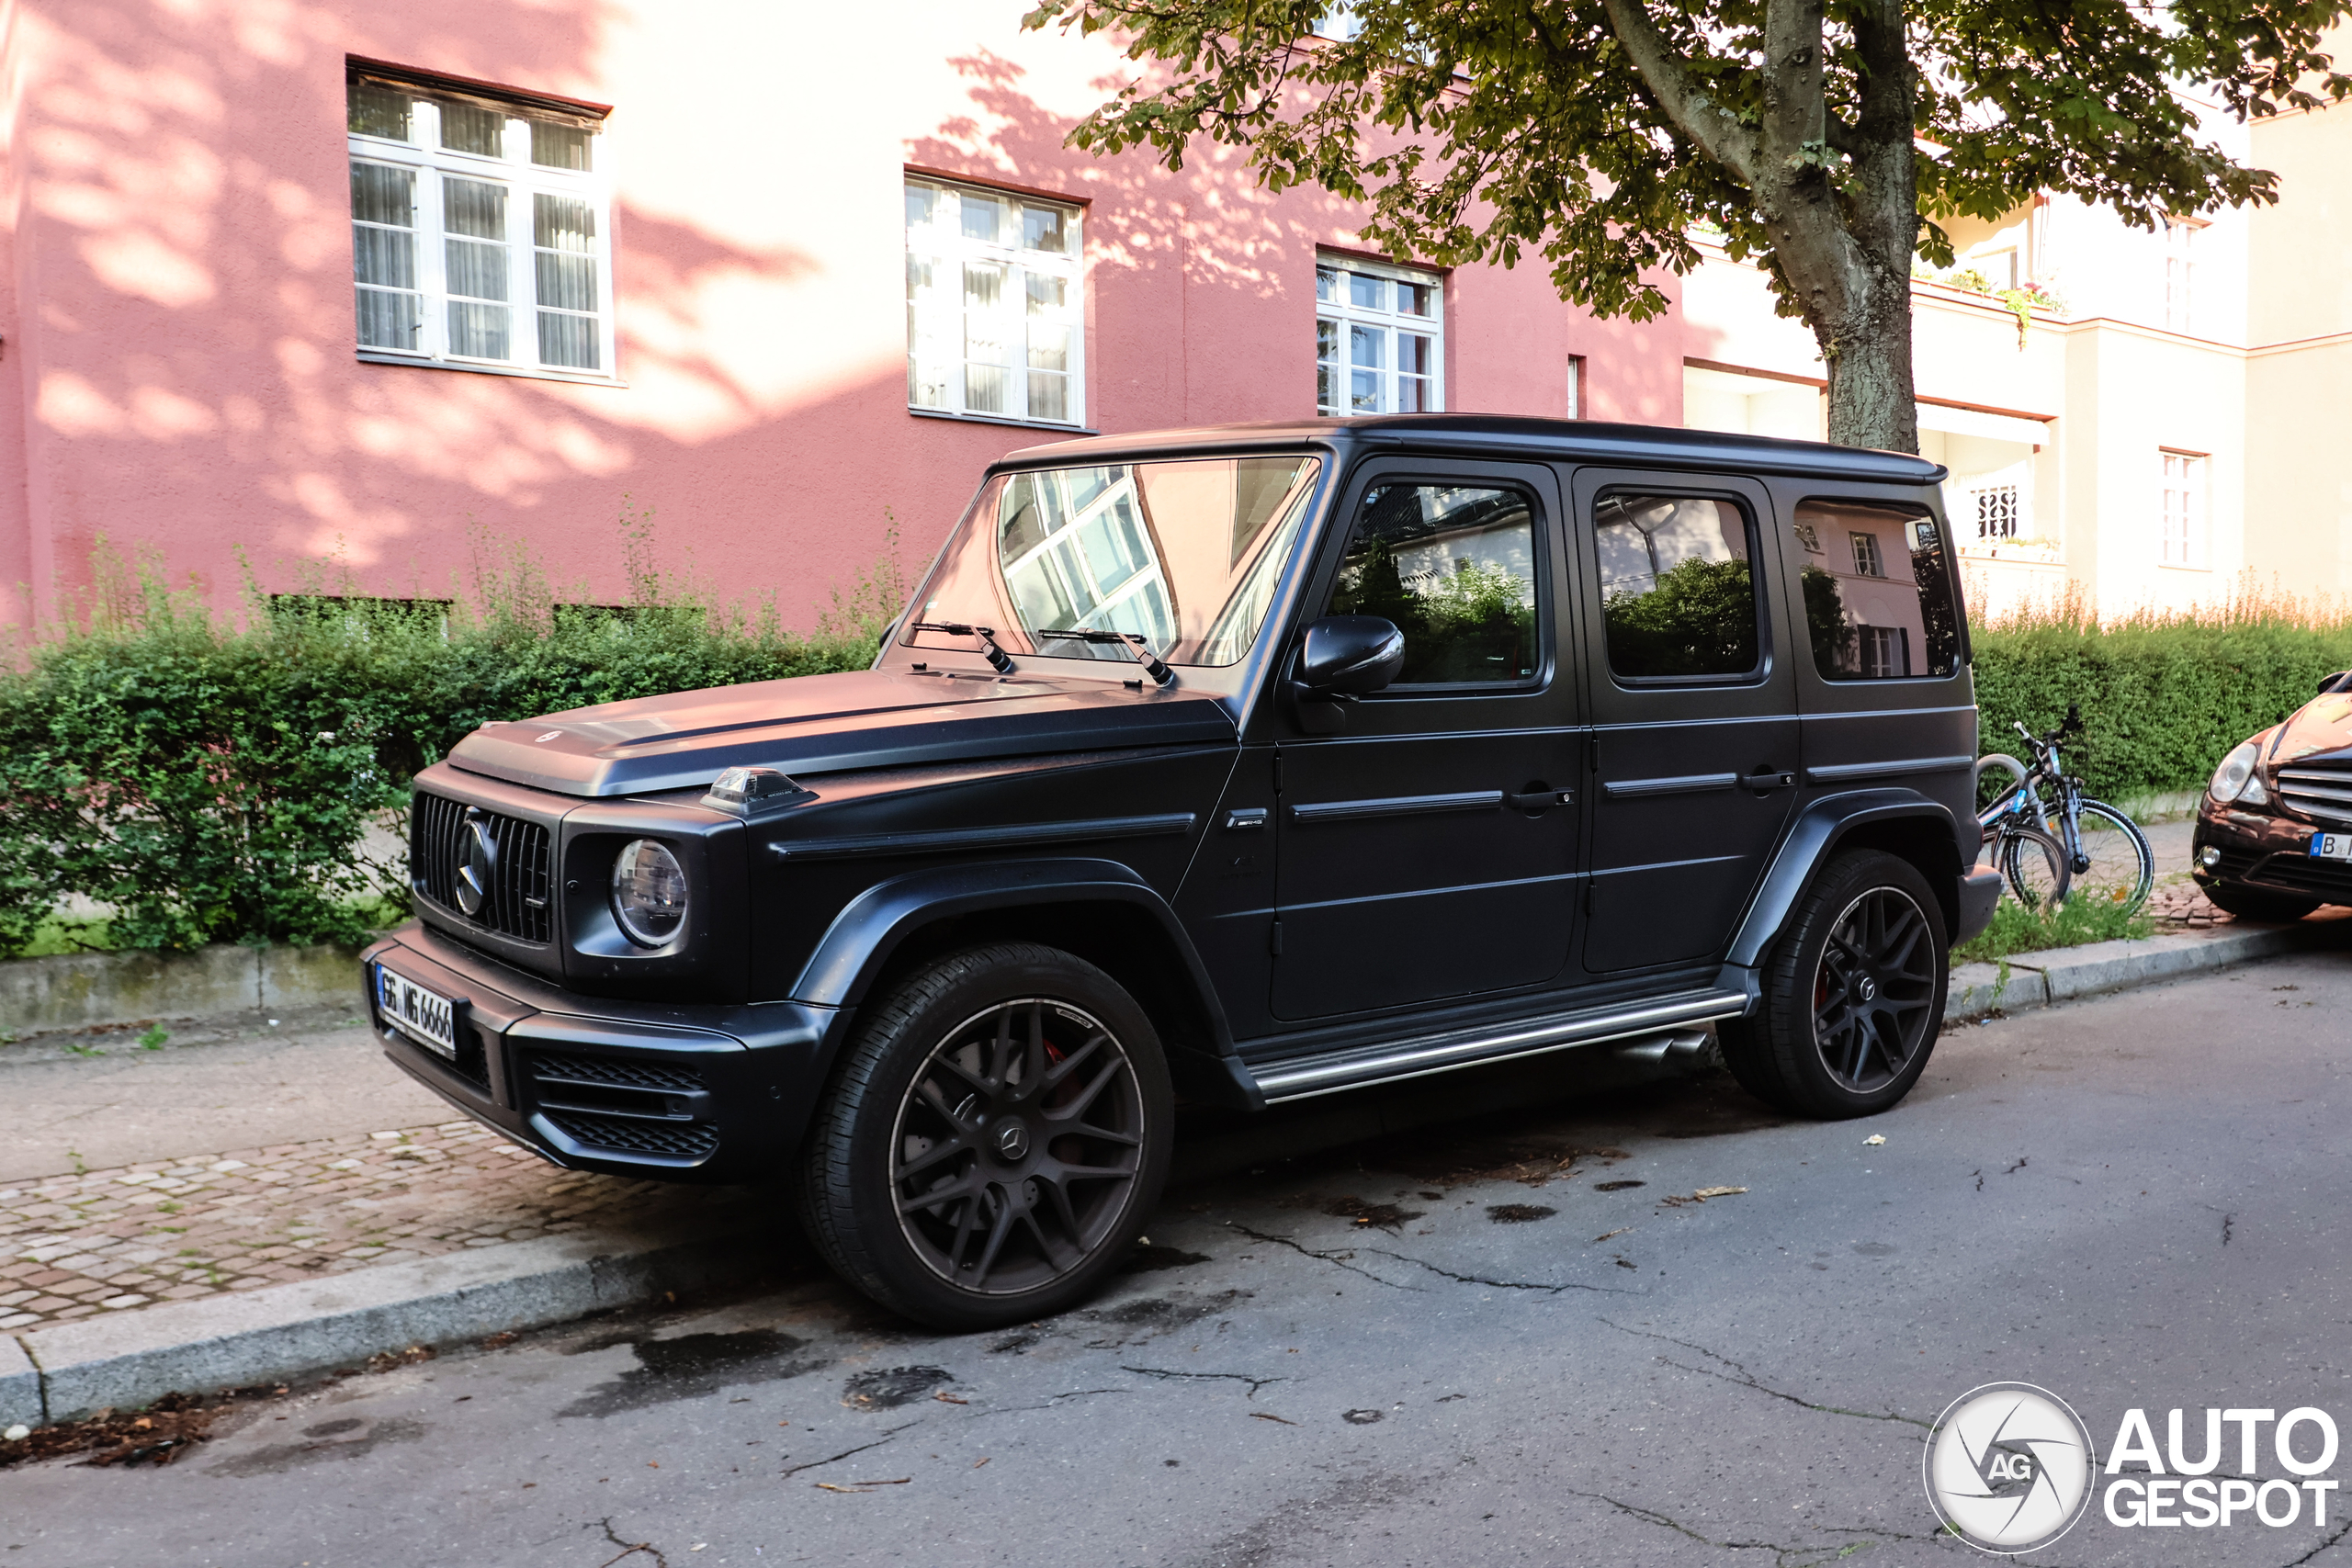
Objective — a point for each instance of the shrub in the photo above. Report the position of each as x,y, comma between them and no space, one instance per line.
212,779
2163,695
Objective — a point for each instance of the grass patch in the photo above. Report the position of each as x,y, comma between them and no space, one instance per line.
2016,929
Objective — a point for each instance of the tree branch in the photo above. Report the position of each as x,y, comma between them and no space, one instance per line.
1715,129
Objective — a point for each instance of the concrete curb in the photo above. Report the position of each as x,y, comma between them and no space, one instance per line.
87,990
2037,980
286,1331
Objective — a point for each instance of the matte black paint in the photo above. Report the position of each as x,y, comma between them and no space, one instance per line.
1446,873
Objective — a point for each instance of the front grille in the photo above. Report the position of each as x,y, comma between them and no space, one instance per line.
675,1140
518,902
2321,793
546,1067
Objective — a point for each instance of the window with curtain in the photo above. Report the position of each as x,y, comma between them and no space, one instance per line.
995,320
1379,339
480,234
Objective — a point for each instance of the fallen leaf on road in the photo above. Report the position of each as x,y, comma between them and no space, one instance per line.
1270,1415
1621,1230
1875,1138
863,1485
950,1399
981,1461
1706,1192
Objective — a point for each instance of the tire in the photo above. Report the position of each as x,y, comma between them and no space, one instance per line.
1879,988
975,1082
2035,865
2120,866
2255,904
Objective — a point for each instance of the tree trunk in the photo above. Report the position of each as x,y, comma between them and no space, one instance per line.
1868,352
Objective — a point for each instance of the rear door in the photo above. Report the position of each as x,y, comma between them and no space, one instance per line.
1428,851
1693,703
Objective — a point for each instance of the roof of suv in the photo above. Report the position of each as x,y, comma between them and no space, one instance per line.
1507,436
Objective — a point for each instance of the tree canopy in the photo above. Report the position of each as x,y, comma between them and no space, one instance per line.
1822,139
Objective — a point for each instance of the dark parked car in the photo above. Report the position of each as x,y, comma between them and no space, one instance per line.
1252,764
2274,828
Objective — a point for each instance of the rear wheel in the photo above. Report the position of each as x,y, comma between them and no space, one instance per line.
1853,994
2255,904
992,1141
2116,865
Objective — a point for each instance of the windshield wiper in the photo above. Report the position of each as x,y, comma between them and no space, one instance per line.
997,658
1160,672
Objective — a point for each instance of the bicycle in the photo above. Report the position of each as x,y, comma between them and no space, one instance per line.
2104,854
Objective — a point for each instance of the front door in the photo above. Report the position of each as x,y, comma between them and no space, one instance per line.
1695,758
1428,851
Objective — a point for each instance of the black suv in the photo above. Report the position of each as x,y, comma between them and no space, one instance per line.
1253,762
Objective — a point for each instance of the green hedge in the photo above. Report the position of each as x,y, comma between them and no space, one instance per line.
210,779
2163,700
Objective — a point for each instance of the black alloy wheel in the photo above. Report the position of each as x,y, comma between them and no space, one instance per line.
1017,1146
1853,993
1874,991
991,1141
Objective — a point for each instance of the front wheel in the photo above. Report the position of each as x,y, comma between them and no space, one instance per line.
1853,995
2117,867
992,1141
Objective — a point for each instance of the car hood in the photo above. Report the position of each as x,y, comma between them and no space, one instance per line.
2321,730
821,724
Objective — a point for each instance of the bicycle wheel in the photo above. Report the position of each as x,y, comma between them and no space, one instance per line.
2034,864
2116,865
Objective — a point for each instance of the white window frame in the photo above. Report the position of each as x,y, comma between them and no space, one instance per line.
431,163
1868,560
2180,272
938,383
1335,309
2183,508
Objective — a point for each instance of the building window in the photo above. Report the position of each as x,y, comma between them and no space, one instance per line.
1997,514
994,318
1339,21
1576,387
2184,509
1868,562
479,231
2181,271
1886,652
1809,537
1379,339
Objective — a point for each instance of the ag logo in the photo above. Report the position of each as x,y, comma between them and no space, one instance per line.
2009,1467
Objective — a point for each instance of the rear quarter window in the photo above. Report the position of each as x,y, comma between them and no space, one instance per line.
1878,597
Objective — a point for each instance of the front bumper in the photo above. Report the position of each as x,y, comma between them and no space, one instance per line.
2260,849
671,1091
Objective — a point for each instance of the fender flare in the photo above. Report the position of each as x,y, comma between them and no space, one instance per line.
871,926
1813,838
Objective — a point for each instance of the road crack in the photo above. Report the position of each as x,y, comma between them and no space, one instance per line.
1255,1384
814,1463
1050,1404
1741,1377
1784,1556
1501,1284
628,1548
2341,1530
1337,1260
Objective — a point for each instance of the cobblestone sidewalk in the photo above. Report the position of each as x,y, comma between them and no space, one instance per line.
117,1240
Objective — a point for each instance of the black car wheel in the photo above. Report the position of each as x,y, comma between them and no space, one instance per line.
1853,994
2257,903
994,1139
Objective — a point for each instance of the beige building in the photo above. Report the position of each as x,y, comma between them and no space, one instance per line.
2165,427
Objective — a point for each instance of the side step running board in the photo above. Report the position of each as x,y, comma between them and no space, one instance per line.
1667,1025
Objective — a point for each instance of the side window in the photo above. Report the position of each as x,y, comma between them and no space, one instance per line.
1453,566
1891,616
1678,598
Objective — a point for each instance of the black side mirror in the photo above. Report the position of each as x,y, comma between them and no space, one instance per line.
2329,682
1350,655
1343,658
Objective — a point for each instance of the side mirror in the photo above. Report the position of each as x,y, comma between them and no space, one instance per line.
1343,658
1350,655
2329,682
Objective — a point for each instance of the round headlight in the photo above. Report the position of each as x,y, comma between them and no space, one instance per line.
649,893
2230,779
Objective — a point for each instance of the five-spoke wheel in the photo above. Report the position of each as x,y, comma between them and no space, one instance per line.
992,1139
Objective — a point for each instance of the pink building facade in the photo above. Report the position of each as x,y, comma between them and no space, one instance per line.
359,286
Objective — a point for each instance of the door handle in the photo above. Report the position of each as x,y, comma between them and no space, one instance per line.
1540,799
1764,781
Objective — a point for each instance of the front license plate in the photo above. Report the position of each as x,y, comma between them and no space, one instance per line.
425,1017
2332,846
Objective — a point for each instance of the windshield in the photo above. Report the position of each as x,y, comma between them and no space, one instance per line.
1185,555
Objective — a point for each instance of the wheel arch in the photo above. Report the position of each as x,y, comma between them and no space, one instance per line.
1901,822
1095,910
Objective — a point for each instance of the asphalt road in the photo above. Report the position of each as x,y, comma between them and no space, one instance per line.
2133,1202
